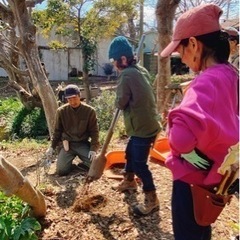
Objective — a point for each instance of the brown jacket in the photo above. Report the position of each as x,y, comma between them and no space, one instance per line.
76,125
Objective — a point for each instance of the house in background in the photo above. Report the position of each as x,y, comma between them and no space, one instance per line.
62,64
150,48
150,56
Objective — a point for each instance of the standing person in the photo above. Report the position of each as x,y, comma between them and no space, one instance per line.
206,122
76,128
234,46
135,97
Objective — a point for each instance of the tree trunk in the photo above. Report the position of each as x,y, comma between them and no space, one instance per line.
86,86
13,182
164,24
29,50
10,61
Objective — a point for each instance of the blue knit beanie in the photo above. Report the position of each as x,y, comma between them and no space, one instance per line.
119,47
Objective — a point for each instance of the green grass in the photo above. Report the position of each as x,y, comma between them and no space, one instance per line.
28,144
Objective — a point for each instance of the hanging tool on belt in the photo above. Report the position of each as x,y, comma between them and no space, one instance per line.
229,169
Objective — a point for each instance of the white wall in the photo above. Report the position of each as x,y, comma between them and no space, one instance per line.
151,42
59,63
75,59
102,56
56,64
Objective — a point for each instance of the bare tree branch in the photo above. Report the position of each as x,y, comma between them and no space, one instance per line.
31,84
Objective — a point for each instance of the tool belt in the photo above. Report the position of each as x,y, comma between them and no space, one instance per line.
207,205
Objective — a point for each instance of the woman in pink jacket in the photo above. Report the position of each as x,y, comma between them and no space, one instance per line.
206,123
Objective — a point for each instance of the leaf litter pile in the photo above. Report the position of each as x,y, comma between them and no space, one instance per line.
97,212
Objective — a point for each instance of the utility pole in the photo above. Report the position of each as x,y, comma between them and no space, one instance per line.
141,31
228,7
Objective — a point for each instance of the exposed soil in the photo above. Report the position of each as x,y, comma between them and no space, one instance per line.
99,212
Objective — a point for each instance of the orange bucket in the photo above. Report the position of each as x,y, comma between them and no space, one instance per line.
115,160
160,149
115,157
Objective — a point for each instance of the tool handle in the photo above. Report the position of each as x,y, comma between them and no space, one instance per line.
140,45
110,131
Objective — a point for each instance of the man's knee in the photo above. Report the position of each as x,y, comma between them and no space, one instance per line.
63,168
63,172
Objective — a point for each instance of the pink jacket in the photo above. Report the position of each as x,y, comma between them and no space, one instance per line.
207,119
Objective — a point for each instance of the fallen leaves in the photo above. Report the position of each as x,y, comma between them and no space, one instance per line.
108,215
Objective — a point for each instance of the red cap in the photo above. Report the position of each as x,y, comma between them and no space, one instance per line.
195,22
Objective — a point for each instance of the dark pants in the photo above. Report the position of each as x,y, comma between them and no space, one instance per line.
184,224
65,159
137,152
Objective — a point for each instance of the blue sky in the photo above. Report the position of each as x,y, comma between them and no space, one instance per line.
41,6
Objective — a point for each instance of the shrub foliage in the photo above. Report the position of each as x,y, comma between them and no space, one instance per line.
25,123
14,221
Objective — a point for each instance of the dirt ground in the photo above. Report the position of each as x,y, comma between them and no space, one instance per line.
110,216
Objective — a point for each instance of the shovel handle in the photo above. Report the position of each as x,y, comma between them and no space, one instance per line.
222,183
232,177
110,131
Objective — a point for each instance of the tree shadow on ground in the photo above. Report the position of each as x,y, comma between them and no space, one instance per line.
103,223
67,185
148,226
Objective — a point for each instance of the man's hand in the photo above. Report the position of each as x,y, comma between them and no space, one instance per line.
49,153
196,161
92,155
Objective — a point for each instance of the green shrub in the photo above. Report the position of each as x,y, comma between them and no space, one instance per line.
181,78
104,106
29,123
152,78
21,122
14,222
105,109
9,107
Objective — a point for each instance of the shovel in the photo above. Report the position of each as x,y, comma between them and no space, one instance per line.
98,164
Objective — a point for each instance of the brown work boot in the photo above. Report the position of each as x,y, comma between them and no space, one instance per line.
151,204
127,184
